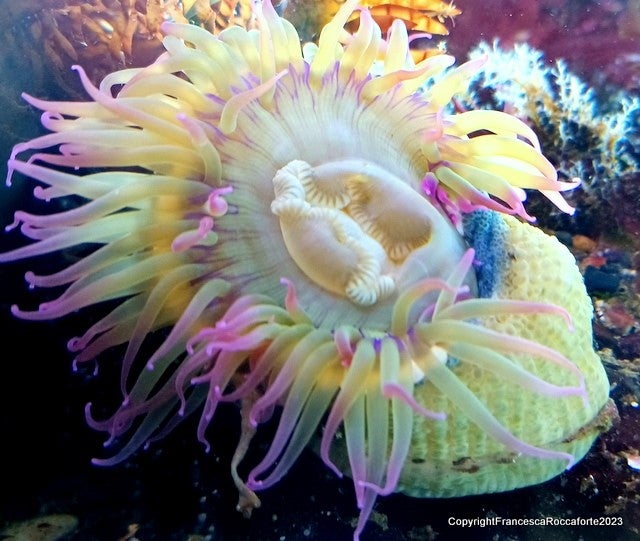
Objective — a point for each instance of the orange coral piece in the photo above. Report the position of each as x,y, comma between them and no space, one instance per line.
418,15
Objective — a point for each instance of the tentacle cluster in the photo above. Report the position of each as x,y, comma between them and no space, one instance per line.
362,381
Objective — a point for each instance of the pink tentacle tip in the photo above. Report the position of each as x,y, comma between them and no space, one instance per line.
381,491
325,446
571,461
291,299
79,69
291,302
207,445
420,35
463,293
329,464
253,483
394,390
17,220
96,368
343,344
197,380
429,184
10,170
264,413
567,318
427,313
165,26
217,205
41,193
189,239
192,344
30,278
87,413
582,393
205,335
255,415
74,344
46,306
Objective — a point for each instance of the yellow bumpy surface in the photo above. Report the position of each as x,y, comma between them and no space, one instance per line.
454,457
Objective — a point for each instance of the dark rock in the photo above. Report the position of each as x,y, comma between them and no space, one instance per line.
630,346
565,237
602,280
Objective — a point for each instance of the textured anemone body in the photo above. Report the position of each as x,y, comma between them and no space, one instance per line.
292,223
454,458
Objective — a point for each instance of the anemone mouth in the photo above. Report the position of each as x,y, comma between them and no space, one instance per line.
314,205
292,221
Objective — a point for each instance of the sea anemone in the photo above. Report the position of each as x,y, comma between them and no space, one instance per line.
293,224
